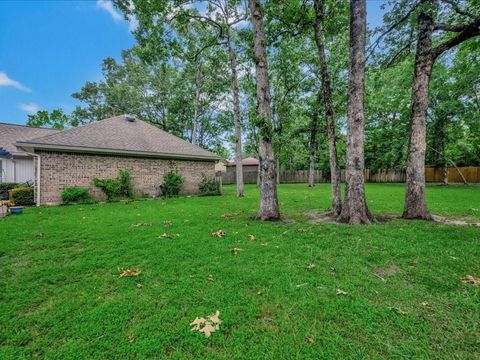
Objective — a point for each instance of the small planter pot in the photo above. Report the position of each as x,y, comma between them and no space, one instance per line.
16,210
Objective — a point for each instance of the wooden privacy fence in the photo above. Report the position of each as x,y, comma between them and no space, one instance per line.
432,174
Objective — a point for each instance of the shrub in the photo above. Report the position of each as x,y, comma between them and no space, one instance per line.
125,188
5,188
116,188
75,195
172,184
209,186
22,196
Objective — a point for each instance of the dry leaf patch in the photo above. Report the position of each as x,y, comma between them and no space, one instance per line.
208,325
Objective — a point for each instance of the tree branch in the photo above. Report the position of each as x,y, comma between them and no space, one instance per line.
392,27
399,52
471,30
457,9
448,27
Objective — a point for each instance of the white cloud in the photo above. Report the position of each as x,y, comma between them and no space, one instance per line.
107,5
29,108
6,81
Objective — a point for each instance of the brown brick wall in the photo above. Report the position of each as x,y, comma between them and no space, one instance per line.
62,170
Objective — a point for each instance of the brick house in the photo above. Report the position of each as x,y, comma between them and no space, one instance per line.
74,157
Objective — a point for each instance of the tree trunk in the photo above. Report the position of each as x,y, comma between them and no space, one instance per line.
313,148
445,173
355,209
268,183
196,106
329,115
236,117
415,204
278,170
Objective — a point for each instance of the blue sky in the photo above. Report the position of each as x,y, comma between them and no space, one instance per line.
48,49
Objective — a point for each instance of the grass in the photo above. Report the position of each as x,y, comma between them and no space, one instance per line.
61,297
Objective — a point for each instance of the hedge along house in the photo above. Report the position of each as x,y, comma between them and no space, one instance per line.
74,157
17,166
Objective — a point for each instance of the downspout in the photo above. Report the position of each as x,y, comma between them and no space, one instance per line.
37,182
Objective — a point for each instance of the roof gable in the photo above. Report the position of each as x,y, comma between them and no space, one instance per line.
122,135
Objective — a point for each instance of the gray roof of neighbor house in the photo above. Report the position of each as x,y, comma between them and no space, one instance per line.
11,133
125,135
247,161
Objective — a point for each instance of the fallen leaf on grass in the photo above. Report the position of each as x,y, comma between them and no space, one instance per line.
300,230
197,323
131,338
398,311
211,278
167,223
251,237
208,325
218,233
426,304
341,292
309,339
215,319
165,235
469,279
227,216
310,266
139,285
208,329
260,293
381,278
128,272
235,250
141,224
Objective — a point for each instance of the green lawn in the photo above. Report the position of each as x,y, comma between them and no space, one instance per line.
61,296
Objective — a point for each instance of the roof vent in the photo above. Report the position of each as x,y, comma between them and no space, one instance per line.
129,118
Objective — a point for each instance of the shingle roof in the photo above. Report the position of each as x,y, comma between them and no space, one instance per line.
247,161
11,133
119,135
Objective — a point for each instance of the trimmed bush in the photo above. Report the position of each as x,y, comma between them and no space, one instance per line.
75,195
120,187
5,188
209,186
172,184
21,196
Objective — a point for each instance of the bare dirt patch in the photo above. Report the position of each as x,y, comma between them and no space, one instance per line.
327,218
456,222
320,218
384,273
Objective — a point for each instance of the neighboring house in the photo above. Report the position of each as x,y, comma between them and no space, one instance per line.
17,165
74,157
249,164
250,171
